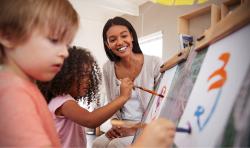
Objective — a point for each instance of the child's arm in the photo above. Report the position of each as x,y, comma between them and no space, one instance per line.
159,133
71,110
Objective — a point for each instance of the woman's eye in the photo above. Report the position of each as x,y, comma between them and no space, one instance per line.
124,36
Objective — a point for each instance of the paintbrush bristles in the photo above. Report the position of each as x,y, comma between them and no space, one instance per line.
149,91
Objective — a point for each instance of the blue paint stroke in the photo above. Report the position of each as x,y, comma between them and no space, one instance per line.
200,110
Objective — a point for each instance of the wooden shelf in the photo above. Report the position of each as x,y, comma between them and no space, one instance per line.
225,6
183,21
238,18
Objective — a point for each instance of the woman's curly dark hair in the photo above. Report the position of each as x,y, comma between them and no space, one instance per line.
72,72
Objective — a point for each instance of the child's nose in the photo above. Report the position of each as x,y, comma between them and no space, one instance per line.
64,52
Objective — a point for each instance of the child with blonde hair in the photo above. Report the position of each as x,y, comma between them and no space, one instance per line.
34,35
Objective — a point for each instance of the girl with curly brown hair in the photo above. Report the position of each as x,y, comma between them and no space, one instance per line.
79,77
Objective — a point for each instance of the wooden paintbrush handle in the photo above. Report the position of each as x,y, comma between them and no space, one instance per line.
149,91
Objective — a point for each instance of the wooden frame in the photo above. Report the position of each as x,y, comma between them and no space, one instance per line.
239,17
183,21
227,4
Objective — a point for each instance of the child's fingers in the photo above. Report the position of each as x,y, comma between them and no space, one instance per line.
127,80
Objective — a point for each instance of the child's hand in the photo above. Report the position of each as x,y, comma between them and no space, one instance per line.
159,133
126,87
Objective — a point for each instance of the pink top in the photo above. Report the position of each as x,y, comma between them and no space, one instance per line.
25,118
70,133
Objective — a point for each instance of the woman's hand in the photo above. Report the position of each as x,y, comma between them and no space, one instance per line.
118,132
113,133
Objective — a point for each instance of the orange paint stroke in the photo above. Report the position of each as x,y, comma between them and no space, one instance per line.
221,72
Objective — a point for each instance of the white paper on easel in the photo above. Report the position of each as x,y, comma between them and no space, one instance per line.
163,88
215,90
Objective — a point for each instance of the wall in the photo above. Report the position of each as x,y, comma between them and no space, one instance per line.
152,18
89,36
155,17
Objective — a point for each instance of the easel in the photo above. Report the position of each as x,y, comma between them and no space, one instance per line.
231,21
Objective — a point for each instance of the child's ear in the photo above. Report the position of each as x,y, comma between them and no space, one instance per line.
6,42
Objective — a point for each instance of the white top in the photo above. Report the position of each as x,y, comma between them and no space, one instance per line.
70,133
137,104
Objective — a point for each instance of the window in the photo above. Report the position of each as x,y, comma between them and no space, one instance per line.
152,44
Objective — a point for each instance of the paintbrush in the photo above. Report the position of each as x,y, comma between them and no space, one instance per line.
149,91
131,124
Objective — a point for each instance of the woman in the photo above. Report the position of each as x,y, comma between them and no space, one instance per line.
126,60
